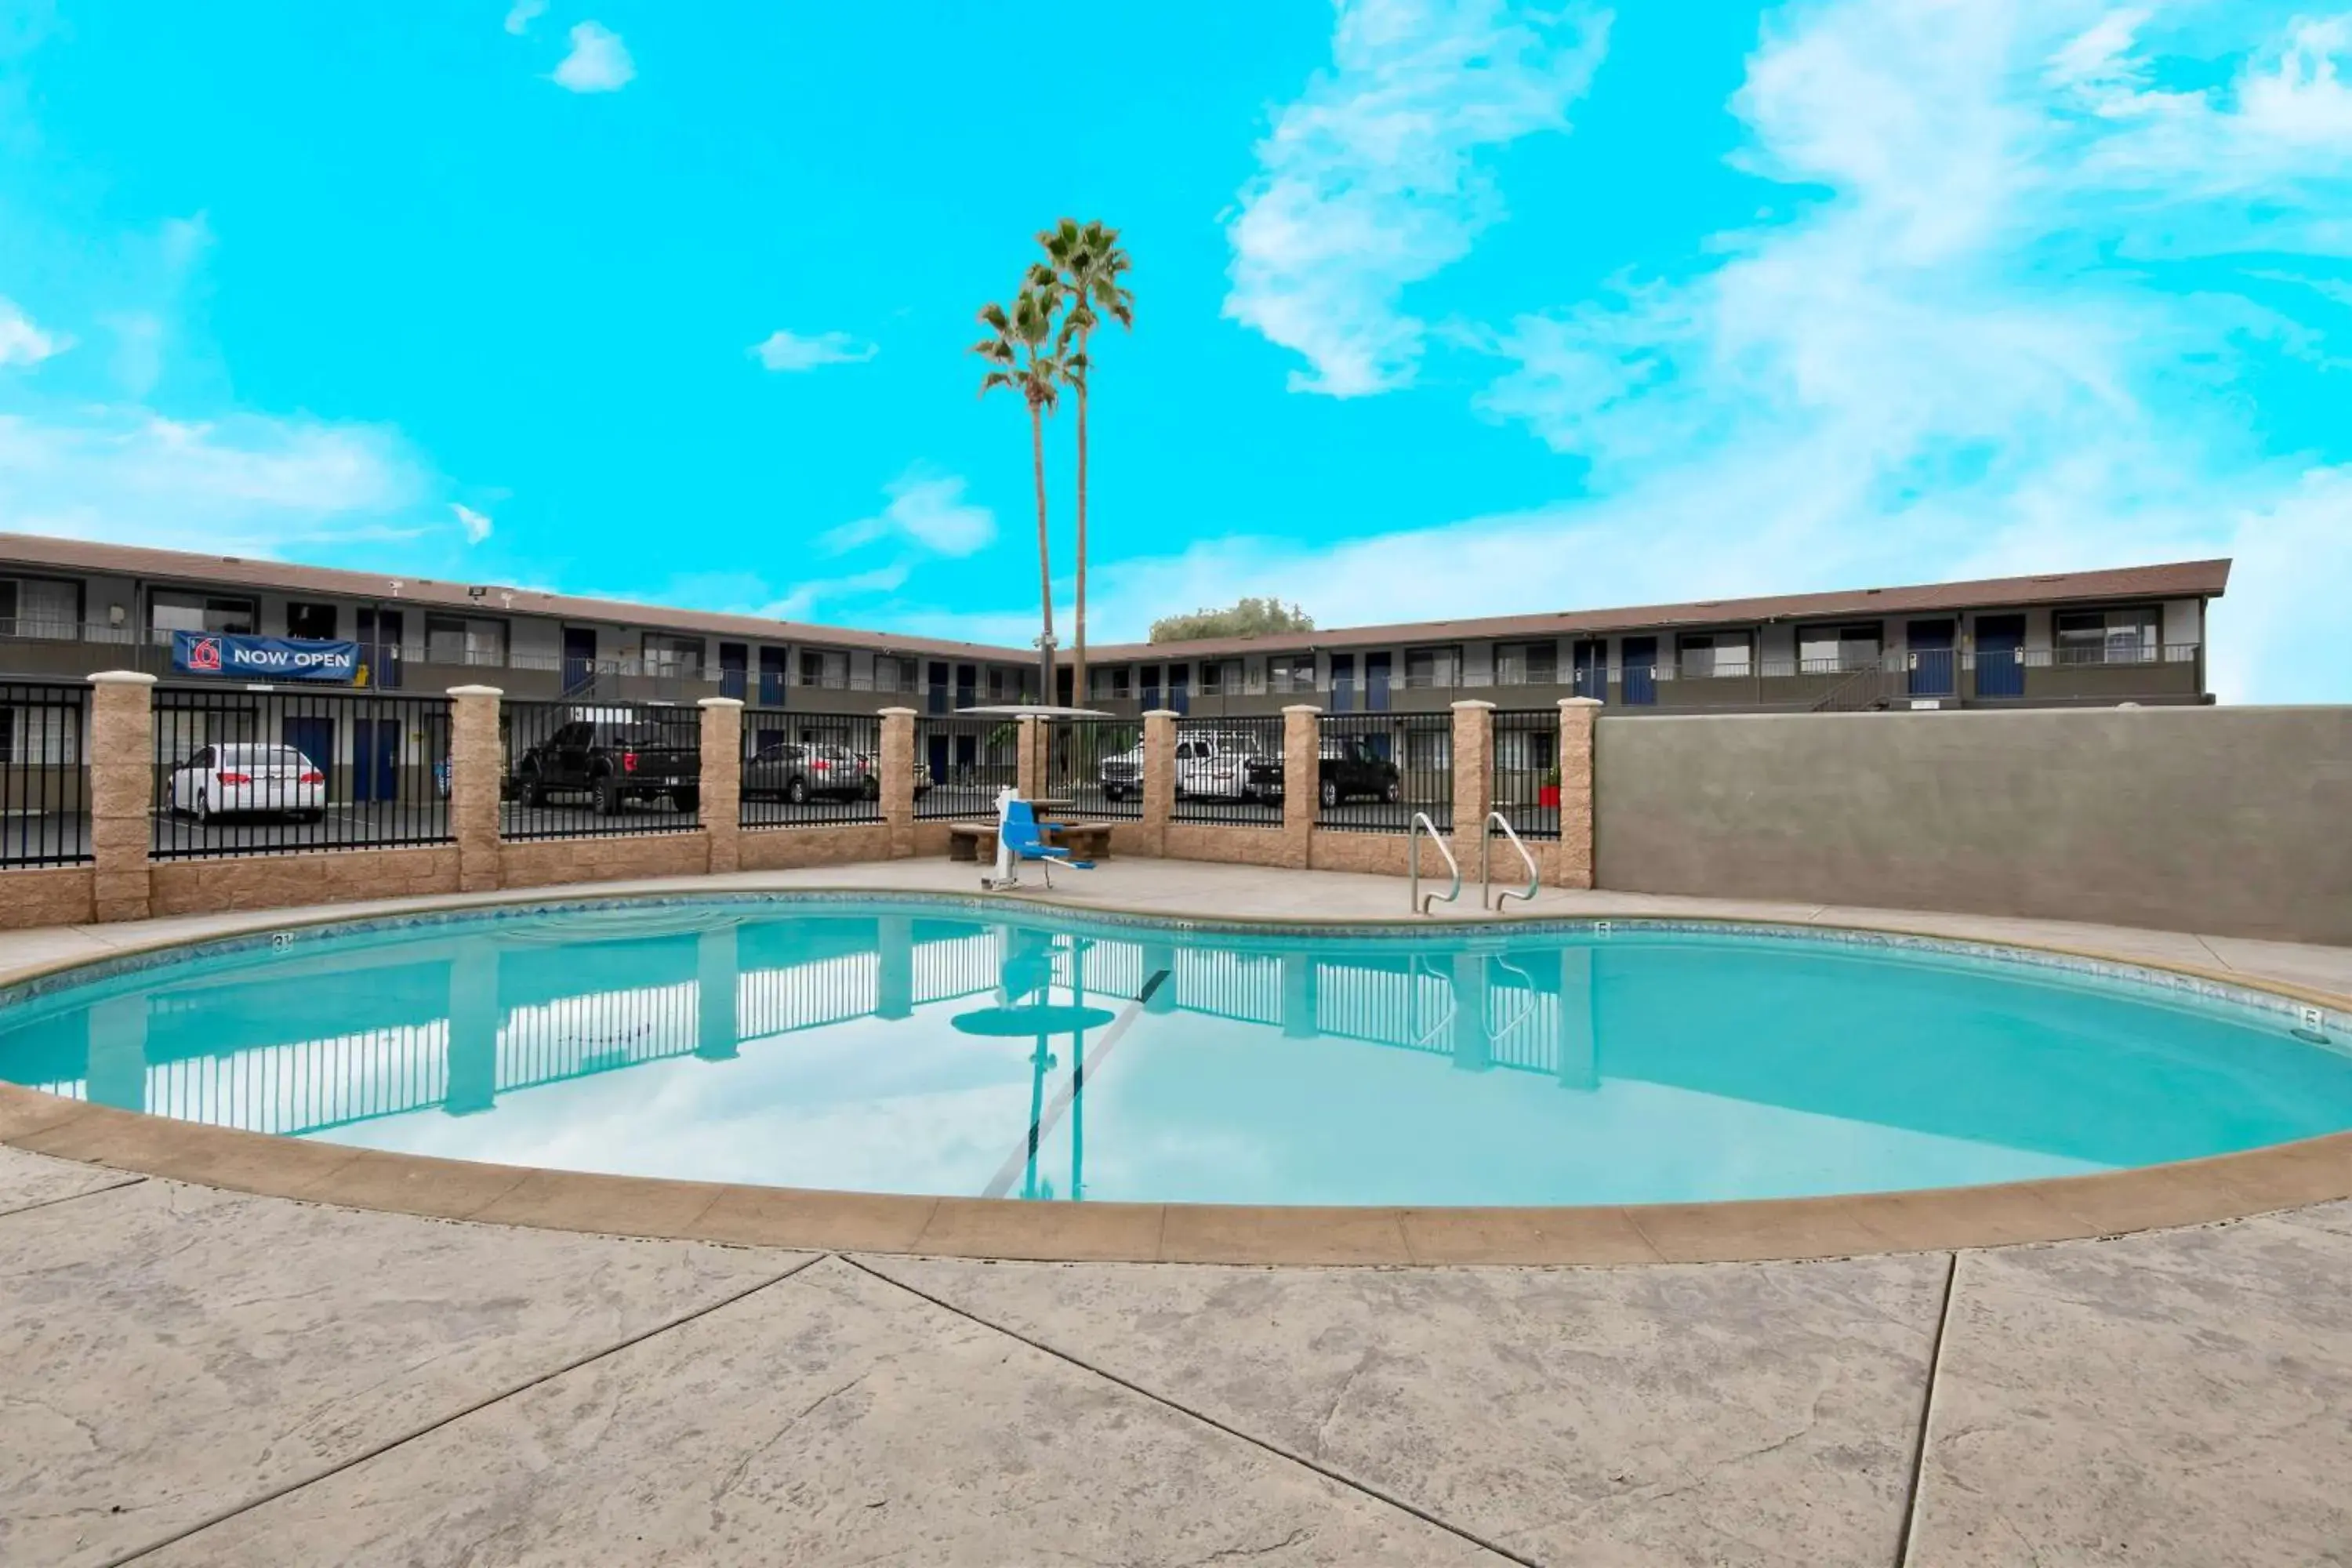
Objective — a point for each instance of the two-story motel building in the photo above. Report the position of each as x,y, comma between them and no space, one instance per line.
2129,635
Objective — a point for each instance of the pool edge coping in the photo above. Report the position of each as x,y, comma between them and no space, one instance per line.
2189,1193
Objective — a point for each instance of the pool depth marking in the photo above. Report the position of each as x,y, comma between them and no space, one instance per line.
1089,1061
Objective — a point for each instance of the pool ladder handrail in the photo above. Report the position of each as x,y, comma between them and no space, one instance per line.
1485,867
1413,864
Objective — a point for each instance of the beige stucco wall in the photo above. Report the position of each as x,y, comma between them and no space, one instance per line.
2233,821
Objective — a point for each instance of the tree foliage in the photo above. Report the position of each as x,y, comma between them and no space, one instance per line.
1248,618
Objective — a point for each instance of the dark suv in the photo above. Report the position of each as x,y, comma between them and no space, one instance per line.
611,761
1350,769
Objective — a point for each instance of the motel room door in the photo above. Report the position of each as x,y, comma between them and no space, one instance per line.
315,739
375,759
1932,658
2000,656
1639,658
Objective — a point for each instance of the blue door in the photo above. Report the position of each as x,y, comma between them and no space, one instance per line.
1179,688
2000,656
772,678
579,659
315,739
375,759
938,758
1931,659
1343,682
1376,683
1641,659
1591,660
733,668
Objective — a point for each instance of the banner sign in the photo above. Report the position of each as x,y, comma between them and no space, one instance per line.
264,659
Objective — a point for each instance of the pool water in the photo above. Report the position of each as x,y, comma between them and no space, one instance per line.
944,1046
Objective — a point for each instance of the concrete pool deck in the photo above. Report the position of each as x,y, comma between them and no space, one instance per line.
208,1375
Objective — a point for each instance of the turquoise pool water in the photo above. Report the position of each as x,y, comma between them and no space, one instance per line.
958,1048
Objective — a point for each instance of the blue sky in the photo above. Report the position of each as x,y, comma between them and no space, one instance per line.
1444,309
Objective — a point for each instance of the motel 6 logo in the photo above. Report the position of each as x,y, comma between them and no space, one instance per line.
205,655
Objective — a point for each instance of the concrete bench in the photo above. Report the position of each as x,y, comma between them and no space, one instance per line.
977,840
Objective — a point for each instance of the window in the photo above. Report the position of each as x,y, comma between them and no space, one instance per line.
2107,637
1526,664
1432,666
1825,649
822,668
463,639
1219,676
1288,672
1108,683
169,611
39,607
893,673
1704,654
314,623
675,656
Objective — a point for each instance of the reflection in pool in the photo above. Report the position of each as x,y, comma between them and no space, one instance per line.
905,1046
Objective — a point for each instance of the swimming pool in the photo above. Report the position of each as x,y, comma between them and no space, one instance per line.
962,1047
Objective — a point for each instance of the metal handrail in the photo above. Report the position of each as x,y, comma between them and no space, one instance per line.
1486,873
1412,863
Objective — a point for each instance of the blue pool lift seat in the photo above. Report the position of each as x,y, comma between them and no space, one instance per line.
1021,837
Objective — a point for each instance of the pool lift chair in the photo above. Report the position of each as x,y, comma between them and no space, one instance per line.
1021,836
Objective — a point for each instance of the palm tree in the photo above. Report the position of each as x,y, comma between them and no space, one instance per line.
1088,264
1020,359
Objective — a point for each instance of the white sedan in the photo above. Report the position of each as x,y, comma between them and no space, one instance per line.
221,780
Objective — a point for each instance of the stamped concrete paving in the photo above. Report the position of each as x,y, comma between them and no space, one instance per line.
191,1376
173,1353
1667,1414
196,1377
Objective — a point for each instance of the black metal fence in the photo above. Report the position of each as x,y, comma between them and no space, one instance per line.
44,773
241,771
1375,770
1229,771
585,769
803,770
1096,766
962,763
1526,767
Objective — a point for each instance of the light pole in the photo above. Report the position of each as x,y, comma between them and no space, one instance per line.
1045,670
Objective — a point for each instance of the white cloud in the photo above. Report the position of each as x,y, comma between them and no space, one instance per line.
1935,368
22,343
1371,181
241,484
788,351
522,13
476,527
926,508
137,349
801,603
599,62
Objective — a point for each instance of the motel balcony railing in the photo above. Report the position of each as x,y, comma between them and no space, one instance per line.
2170,674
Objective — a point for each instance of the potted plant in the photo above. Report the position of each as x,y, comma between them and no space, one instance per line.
1547,792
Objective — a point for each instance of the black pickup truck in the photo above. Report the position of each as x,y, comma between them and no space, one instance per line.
1348,769
612,760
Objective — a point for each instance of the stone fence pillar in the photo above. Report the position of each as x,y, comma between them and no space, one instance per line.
1474,772
1030,767
1158,778
1577,732
120,752
476,771
1302,780
899,765
722,781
